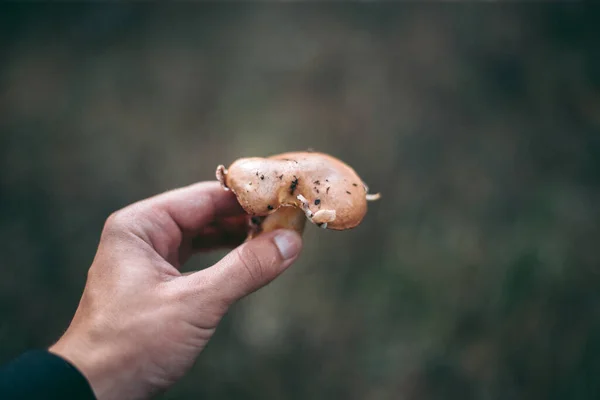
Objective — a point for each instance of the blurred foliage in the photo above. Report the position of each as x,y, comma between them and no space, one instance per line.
475,277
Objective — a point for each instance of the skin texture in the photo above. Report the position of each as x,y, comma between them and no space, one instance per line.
141,323
330,191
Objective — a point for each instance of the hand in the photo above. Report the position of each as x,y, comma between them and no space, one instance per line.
141,324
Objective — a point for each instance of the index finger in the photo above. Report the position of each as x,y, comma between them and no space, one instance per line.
194,206
167,220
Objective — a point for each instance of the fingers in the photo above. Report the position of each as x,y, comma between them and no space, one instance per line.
193,206
248,267
165,221
227,232
221,233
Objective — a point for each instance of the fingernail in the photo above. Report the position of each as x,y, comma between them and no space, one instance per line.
288,243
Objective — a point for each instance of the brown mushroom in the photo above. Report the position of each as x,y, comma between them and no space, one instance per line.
284,190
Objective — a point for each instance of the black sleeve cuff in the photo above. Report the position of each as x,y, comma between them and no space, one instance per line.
39,374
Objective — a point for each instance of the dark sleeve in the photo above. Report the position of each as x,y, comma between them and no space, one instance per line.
39,374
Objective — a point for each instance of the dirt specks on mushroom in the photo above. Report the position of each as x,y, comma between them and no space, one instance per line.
285,189
294,185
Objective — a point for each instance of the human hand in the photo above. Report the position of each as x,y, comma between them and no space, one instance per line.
141,324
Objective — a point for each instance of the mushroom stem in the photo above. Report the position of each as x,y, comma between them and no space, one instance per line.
373,197
285,217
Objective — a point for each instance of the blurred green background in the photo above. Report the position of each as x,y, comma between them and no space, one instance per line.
476,276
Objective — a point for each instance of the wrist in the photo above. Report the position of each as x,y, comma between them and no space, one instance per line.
97,362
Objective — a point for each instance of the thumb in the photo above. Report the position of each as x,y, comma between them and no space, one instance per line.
251,266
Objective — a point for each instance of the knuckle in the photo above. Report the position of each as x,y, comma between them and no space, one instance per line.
252,263
120,222
91,273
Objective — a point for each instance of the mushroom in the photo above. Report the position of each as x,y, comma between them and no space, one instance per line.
285,190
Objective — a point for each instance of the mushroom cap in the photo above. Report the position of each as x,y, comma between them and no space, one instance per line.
328,190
